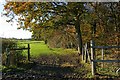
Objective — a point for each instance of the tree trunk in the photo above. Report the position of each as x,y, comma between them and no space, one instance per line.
79,35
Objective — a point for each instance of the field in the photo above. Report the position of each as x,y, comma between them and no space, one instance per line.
40,48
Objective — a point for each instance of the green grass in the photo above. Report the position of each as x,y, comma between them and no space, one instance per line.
39,48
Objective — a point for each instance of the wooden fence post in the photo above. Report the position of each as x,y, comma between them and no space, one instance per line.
86,55
28,52
102,57
83,54
93,58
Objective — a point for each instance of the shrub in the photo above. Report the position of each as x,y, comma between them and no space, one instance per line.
8,43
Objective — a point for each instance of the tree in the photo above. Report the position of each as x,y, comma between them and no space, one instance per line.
45,18
108,20
42,13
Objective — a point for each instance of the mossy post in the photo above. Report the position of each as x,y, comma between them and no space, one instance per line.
8,57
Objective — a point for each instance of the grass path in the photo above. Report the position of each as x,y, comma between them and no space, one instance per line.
50,63
39,47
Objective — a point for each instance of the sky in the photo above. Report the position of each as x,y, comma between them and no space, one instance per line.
10,31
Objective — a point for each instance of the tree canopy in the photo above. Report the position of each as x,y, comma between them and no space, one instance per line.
73,22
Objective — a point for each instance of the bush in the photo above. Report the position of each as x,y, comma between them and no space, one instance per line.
8,43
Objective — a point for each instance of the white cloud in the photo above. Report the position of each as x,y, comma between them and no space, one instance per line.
10,31
17,34
1,1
